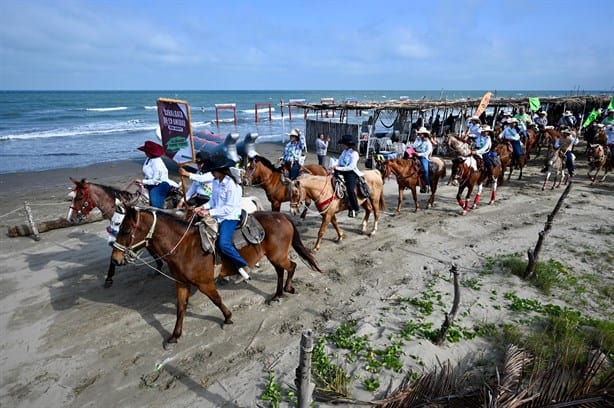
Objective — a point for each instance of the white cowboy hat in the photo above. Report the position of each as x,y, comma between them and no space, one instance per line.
423,130
485,128
475,118
294,132
512,120
567,113
542,113
565,131
507,114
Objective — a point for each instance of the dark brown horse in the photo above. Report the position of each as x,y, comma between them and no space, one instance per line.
407,175
466,174
87,196
261,172
189,265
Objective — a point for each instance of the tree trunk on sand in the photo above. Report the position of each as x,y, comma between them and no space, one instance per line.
450,316
25,230
533,254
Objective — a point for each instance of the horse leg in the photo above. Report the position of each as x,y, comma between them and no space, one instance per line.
108,282
211,292
493,194
414,194
466,204
546,180
326,218
476,200
333,221
183,294
400,200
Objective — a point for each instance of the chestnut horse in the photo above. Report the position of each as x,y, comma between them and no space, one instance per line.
504,151
466,175
599,158
407,176
87,196
321,190
190,265
260,172
532,141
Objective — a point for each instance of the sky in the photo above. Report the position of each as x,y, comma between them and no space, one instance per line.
306,45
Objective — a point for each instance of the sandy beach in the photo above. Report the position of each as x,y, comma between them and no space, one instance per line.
68,342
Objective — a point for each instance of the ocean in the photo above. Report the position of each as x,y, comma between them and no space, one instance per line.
42,130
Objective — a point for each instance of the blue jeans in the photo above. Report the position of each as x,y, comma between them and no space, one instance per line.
517,149
157,194
487,161
570,165
425,174
224,242
351,180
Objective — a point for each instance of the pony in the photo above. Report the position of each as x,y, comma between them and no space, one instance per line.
555,165
87,196
189,265
260,172
407,175
322,191
466,175
599,158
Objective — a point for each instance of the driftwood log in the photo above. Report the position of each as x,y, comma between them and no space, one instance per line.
533,254
25,230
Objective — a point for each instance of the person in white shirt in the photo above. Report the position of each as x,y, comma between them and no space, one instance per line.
200,190
542,119
473,127
322,148
424,149
347,166
225,207
155,174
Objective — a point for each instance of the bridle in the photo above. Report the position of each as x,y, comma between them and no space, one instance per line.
88,203
298,205
463,173
130,250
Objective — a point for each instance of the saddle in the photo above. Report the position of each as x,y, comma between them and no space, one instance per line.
362,188
248,232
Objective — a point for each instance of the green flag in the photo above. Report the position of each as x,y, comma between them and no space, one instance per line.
590,118
534,104
611,105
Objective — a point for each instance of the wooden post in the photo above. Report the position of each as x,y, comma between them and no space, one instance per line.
533,254
450,317
31,221
303,372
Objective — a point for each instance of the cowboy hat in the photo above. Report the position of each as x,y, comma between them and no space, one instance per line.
485,128
542,113
475,118
512,120
566,131
567,113
347,140
423,130
217,162
507,114
153,149
294,132
201,156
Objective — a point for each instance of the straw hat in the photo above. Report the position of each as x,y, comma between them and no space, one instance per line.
475,118
295,133
485,128
423,130
152,149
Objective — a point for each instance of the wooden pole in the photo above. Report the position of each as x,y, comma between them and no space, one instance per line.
533,254
303,372
449,319
31,221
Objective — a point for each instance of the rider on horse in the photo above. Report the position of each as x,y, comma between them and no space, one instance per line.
510,134
424,149
473,127
348,168
225,207
291,158
482,144
200,190
155,174
565,143
524,121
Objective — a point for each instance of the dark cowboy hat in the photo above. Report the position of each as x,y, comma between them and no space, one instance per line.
152,148
347,140
201,156
217,162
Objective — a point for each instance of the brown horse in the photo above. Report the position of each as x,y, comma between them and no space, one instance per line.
321,190
190,265
466,175
555,166
458,146
504,151
87,196
532,141
407,176
599,158
262,173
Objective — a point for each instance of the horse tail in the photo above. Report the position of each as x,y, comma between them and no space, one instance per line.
300,249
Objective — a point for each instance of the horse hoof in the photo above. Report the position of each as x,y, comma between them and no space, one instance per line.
170,344
228,321
108,284
276,299
290,290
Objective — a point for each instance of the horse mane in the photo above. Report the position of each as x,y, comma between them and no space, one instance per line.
267,163
180,222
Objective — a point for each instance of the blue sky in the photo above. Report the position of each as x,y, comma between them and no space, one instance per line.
295,44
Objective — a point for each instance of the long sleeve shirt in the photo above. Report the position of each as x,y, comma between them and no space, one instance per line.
225,202
542,121
292,152
201,184
424,148
510,134
321,147
155,172
473,129
483,144
348,161
565,143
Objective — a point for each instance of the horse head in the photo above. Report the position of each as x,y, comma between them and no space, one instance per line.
460,171
133,235
257,169
82,203
459,146
297,197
